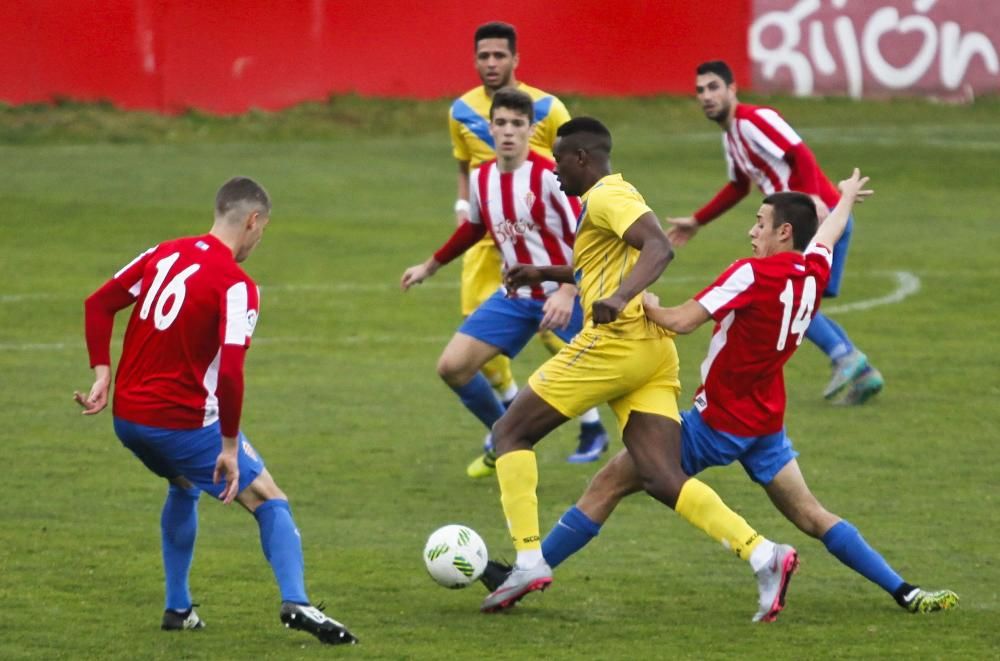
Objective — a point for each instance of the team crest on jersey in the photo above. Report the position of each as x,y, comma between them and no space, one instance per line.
251,321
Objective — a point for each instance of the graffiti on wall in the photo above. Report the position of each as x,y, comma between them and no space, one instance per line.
865,47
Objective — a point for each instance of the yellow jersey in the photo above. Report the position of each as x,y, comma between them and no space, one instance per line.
469,120
602,259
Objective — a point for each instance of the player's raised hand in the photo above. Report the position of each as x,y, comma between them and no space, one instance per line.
681,230
520,275
97,399
227,467
854,186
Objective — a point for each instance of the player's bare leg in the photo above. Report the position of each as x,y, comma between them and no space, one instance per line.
459,366
790,494
655,445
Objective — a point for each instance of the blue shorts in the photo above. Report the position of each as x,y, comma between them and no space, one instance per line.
508,323
839,260
189,453
703,447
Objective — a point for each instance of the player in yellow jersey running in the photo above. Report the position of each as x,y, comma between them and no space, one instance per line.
472,145
620,357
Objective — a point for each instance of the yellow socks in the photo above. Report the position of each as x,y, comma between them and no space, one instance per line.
497,371
703,508
517,473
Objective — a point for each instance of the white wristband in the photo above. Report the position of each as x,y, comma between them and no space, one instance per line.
463,206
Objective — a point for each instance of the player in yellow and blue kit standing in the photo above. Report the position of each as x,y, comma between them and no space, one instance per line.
472,145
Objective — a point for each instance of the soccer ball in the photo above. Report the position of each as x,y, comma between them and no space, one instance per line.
455,556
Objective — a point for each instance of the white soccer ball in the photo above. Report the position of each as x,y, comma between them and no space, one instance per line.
455,556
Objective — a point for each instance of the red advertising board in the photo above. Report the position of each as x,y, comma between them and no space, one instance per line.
227,56
876,47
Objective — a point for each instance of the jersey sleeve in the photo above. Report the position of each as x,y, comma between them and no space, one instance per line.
100,307
819,261
615,208
459,149
730,291
556,117
237,320
772,133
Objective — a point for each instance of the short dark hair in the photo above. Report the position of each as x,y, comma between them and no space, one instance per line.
513,99
593,134
241,190
719,68
799,211
496,30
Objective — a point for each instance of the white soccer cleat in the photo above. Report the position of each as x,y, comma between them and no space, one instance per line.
518,584
772,582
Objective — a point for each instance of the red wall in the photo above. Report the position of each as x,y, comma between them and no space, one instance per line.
227,56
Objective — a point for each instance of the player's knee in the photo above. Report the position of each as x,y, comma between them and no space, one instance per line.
453,371
664,487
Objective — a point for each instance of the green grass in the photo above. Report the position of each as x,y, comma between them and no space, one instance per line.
343,401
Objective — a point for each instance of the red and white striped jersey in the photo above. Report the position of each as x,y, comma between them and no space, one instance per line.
193,315
764,148
529,217
762,308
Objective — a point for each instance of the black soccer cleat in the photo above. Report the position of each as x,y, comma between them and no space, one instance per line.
495,574
181,620
312,620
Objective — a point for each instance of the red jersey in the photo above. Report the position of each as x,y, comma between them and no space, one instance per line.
182,359
760,146
762,308
526,213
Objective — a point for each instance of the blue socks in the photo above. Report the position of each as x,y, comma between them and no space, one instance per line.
845,542
178,529
570,534
477,396
829,337
283,549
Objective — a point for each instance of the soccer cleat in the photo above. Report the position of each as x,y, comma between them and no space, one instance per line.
593,441
482,466
868,384
495,574
772,582
924,601
517,584
312,620
181,620
845,370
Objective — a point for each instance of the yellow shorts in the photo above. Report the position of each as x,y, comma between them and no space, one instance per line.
482,269
630,375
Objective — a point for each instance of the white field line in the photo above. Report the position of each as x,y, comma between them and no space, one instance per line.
907,284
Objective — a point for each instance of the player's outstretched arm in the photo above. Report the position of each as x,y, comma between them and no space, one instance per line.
852,191
97,399
681,319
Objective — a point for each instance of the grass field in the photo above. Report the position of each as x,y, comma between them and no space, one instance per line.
343,401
